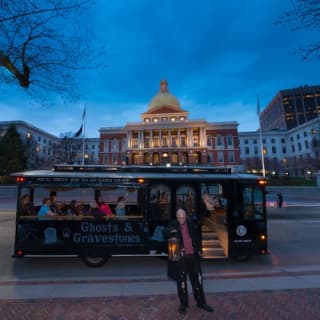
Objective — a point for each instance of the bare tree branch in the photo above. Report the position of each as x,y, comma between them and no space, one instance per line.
304,14
44,44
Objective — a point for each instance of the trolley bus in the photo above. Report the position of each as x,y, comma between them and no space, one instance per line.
228,209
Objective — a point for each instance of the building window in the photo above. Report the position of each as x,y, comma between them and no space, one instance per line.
106,146
147,142
247,150
304,133
231,156
230,141
306,144
114,159
174,158
220,157
124,144
256,151
299,146
134,142
183,141
254,141
293,148
274,150
219,141
273,140
196,141
209,141
165,141
283,140
284,150
156,142
115,145
246,141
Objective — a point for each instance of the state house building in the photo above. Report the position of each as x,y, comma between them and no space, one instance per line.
166,135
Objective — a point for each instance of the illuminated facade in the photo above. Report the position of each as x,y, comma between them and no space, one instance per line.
167,135
291,108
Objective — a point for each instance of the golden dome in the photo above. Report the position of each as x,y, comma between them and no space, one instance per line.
164,98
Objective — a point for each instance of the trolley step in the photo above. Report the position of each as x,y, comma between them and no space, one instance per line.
211,247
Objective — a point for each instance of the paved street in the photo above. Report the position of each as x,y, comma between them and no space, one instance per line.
289,294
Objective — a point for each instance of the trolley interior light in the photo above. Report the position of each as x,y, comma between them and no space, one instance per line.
262,182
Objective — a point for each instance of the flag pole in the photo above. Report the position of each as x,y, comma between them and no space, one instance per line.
83,133
261,140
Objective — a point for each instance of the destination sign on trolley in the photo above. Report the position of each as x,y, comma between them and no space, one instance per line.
80,180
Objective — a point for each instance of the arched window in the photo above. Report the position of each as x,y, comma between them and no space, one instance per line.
174,158
156,158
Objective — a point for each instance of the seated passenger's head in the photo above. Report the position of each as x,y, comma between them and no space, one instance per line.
121,198
46,201
93,204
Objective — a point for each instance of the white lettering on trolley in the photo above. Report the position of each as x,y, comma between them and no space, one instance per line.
108,233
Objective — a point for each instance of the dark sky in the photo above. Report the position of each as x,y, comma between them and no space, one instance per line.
217,56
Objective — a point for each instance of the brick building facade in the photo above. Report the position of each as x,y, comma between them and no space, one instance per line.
167,135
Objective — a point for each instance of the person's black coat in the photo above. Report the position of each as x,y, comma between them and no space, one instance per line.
175,225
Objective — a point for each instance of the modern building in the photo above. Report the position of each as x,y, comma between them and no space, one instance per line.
291,108
166,135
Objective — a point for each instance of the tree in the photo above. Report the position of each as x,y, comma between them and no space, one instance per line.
305,14
13,154
42,46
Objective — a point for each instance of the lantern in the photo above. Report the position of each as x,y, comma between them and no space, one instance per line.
174,249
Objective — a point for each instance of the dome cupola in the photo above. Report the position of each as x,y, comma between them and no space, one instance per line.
164,98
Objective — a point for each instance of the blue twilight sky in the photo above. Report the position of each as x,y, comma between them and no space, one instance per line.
217,56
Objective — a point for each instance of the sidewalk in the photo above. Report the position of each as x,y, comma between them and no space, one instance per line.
287,293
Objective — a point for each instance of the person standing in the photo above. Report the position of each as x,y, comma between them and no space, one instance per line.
189,264
45,211
120,209
104,207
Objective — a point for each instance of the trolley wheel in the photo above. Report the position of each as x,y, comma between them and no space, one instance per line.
95,261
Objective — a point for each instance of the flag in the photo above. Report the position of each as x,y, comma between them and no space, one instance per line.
78,133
